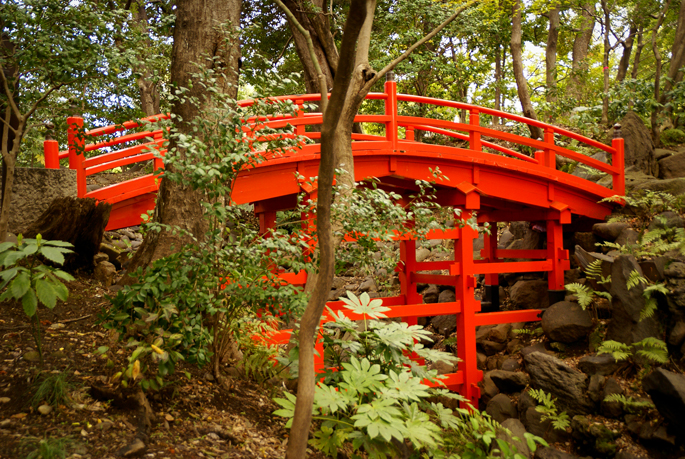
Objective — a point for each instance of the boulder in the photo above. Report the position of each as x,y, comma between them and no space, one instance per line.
445,325
545,452
422,253
608,231
447,296
628,237
105,272
515,437
625,325
532,420
672,167
537,347
667,390
603,364
530,294
500,333
594,388
431,294
666,220
677,335
492,347
568,385
674,186
501,408
509,381
566,322
611,409
488,389
368,285
639,148
511,365
586,240
593,438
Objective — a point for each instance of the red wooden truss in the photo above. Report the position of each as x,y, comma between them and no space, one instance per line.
497,183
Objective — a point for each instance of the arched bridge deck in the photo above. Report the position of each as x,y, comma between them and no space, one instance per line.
498,183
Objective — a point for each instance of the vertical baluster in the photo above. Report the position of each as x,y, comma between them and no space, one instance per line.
391,109
474,135
617,159
76,140
158,136
550,154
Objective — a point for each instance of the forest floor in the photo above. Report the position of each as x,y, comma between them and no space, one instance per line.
195,416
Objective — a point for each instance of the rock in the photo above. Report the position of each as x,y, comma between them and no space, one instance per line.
505,239
674,186
653,269
591,174
5,399
593,438
545,452
443,367
603,364
500,333
666,220
639,148
661,153
431,294
495,362
422,253
511,365
611,409
112,252
675,269
568,385
594,388
608,231
677,335
483,332
338,283
447,296
501,408
519,229
45,409
514,346
105,272
509,381
491,347
369,285
488,389
537,347
99,257
628,237
530,294
625,325
667,390
566,322
532,420
445,324
481,360
517,430
672,167
586,240
32,356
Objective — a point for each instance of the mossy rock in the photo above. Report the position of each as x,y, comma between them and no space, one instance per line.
673,137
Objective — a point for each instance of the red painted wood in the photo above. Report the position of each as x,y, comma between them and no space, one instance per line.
51,154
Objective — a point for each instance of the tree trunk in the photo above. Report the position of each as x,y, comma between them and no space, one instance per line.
517,61
198,35
638,52
80,221
675,73
605,64
656,132
581,46
149,93
551,56
627,51
498,83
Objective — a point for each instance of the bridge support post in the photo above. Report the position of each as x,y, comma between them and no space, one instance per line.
560,261
463,268
76,141
406,267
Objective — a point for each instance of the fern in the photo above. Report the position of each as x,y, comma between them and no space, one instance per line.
594,271
635,279
583,292
619,351
653,349
560,421
649,308
629,403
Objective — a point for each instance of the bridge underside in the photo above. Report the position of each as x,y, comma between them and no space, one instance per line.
497,189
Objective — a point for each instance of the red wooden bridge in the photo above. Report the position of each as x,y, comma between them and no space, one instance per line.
498,183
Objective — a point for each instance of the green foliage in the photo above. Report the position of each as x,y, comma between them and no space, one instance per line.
373,397
652,349
629,403
560,421
27,280
673,137
50,448
53,389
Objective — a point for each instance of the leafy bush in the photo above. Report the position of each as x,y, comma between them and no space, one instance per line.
673,137
374,398
652,349
27,280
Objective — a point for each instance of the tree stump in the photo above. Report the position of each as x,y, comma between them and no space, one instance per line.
80,221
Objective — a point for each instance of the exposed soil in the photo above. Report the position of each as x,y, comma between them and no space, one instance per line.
196,417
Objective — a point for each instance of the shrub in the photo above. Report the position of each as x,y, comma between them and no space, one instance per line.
673,137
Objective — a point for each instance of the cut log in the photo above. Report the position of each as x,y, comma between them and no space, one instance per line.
80,221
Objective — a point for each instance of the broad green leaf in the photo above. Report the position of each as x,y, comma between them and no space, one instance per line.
30,303
58,243
60,290
20,285
12,257
54,254
45,293
6,246
62,275
9,274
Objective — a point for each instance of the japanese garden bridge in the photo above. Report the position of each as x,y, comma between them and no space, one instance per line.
500,184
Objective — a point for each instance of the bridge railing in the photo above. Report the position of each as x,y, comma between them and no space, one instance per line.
399,133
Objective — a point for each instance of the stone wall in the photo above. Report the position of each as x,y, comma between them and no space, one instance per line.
33,191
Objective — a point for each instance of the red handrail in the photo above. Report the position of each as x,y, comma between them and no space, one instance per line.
472,131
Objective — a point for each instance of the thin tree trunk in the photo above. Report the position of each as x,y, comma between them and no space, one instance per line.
656,132
605,63
517,64
149,93
551,56
625,58
675,73
638,52
498,83
581,46
204,28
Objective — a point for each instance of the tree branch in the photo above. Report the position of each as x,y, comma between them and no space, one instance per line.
9,94
404,55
